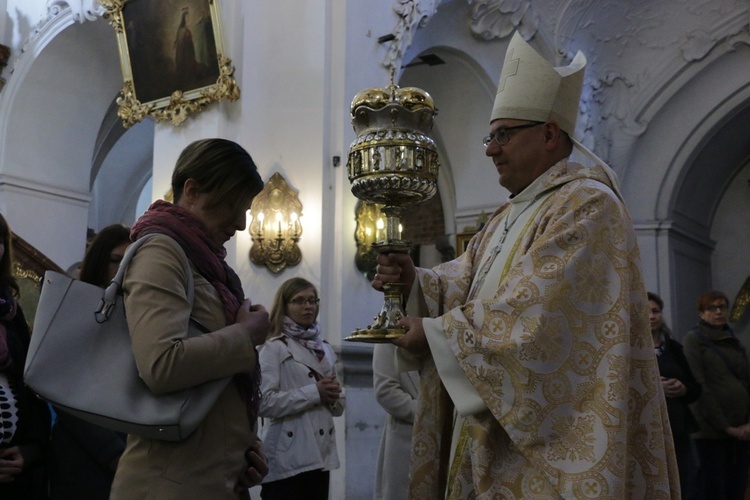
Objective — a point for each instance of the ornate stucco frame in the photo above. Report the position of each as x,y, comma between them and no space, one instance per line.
177,103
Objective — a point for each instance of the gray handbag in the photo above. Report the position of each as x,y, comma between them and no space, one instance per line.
81,360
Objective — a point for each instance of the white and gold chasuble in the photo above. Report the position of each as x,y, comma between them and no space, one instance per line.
549,361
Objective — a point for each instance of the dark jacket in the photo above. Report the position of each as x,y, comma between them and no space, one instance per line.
32,433
80,457
673,364
725,378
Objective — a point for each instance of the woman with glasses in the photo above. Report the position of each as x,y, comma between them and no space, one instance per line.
301,395
719,362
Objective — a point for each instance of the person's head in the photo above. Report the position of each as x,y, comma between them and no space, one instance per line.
6,256
534,114
713,308
298,299
104,254
655,308
216,180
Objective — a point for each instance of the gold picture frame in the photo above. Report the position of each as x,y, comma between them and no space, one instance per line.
29,266
172,58
462,241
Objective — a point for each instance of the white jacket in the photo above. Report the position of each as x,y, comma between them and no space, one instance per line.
298,433
396,392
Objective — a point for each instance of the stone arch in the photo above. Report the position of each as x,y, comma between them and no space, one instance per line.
52,112
678,173
463,94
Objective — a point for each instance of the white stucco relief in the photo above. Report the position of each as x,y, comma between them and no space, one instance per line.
412,14
492,19
83,10
640,58
59,15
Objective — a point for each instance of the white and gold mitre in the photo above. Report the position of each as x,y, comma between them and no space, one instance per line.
532,89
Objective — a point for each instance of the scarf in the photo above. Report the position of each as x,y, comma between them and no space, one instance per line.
7,313
208,258
308,337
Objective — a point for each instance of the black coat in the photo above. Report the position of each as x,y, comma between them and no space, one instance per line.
720,364
32,433
674,364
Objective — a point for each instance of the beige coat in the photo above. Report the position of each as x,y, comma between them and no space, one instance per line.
208,463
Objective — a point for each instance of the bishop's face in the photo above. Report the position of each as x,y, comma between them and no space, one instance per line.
516,151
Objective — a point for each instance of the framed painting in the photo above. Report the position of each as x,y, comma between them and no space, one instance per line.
172,58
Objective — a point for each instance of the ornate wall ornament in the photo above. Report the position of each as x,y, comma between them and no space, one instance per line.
412,14
275,226
82,10
492,19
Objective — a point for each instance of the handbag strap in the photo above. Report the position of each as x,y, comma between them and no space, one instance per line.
115,287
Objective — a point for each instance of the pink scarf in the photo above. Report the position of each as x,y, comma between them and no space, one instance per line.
208,258
308,337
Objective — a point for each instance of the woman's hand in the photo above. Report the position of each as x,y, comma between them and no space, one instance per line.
742,432
255,319
257,468
673,388
11,464
329,389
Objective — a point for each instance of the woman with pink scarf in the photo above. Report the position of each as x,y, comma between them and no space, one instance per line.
301,395
214,182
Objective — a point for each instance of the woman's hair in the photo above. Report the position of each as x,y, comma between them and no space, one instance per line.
6,263
95,267
657,299
284,294
705,300
222,168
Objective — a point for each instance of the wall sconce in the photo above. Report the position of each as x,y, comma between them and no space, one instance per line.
370,229
275,226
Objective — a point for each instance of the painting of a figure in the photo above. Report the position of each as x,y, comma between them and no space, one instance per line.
171,46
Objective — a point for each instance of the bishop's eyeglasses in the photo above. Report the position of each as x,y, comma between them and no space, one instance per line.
501,135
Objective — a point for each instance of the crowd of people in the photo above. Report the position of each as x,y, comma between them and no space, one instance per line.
535,364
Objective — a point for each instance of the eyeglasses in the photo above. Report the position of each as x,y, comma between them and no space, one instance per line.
300,301
501,135
716,308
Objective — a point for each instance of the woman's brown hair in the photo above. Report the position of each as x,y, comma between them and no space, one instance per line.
221,168
95,267
705,300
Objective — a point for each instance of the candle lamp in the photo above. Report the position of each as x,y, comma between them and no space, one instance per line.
275,228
